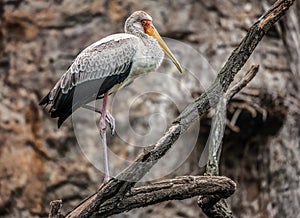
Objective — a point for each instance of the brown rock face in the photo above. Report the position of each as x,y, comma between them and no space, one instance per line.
40,163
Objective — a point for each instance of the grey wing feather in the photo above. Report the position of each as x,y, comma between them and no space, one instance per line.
99,60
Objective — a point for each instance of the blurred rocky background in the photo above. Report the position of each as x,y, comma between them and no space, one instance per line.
40,163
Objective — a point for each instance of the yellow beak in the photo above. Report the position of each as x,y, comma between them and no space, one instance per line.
151,31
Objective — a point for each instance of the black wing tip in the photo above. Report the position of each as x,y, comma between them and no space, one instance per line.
63,116
59,123
44,100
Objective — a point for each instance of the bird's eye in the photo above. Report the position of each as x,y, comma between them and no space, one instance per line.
146,23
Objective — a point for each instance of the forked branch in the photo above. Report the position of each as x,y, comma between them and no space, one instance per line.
215,205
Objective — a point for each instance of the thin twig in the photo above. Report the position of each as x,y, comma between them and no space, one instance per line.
251,73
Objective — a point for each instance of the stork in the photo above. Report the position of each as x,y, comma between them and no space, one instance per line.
104,67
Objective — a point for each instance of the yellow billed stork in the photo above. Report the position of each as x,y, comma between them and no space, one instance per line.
104,67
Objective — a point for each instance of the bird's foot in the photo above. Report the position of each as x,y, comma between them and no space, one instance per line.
111,121
109,118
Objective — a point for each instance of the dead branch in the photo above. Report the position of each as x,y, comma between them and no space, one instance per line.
117,187
211,204
242,83
175,189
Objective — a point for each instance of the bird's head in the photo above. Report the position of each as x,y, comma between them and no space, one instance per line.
141,22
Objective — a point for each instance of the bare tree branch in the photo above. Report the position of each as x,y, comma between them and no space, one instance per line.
117,187
219,122
210,204
251,73
175,189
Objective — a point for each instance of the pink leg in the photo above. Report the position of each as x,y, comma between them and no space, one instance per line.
102,126
109,118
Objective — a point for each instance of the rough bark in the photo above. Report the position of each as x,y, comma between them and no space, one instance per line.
213,205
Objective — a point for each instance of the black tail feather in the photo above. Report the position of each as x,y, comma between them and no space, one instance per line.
45,100
63,117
